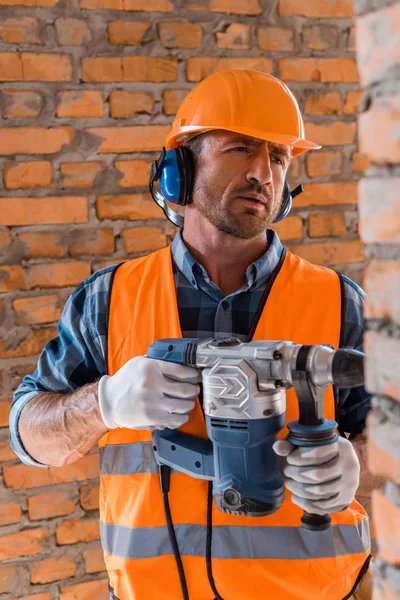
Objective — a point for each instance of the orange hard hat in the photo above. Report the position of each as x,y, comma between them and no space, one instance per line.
249,102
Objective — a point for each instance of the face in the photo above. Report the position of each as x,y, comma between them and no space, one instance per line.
239,182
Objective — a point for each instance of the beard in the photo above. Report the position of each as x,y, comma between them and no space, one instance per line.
247,224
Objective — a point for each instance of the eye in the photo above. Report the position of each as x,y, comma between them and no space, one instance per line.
240,149
278,159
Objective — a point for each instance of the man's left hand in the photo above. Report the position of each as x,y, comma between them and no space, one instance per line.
322,479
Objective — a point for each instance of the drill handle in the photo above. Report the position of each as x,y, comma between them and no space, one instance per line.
177,350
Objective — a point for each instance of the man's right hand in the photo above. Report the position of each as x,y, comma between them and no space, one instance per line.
147,393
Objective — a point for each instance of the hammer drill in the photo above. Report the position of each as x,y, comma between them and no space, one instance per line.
244,404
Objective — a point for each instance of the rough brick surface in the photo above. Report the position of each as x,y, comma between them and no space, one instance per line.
28,175
52,569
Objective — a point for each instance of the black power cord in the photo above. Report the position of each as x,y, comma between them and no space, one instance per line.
165,476
209,543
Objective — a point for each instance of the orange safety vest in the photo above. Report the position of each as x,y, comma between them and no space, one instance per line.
253,558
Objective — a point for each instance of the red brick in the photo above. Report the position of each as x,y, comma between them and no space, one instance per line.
321,37
200,68
275,39
94,560
318,69
24,543
289,229
10,67
77,530
12,278
26,175
102,264
53,569
21,104
376,134
132,207
383,378
5,240
379,221
21,30
8,578
10,513
172,100
143,239
59,274
381,283
37,310
89,497
327,194
76,104
23,476
102,69
352,102
233,7
323,104
29,346
127,33
135,172
91,241
4,413
147,5
34,140
5,454
50,504
378,48
315,8
331,253
124,140
44,596
175,34
129,68
43,3
41,211
360,162
235,36
320,164
72,32
83,591
326,225
124,104
42,244
387,520
331,134
80,175
46,67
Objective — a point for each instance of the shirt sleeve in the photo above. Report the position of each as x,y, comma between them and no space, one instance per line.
355,403
74,358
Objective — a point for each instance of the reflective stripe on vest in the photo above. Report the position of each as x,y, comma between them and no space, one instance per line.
249,555
289,543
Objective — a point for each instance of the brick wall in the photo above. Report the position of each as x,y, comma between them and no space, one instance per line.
378,56
88,92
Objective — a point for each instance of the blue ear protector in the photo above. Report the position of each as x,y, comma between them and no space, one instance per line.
174,169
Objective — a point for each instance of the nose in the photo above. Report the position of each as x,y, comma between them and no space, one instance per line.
259,170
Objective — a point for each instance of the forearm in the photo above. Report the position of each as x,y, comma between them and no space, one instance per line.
368,482
58,429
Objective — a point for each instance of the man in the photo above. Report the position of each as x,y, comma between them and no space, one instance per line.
222,276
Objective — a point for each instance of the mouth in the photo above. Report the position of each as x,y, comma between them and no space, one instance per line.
254,200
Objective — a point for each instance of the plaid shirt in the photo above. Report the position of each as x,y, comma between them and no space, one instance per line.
77,355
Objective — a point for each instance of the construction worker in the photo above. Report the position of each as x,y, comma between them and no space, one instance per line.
225,274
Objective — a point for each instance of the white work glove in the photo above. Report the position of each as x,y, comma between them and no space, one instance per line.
147,393
322,479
